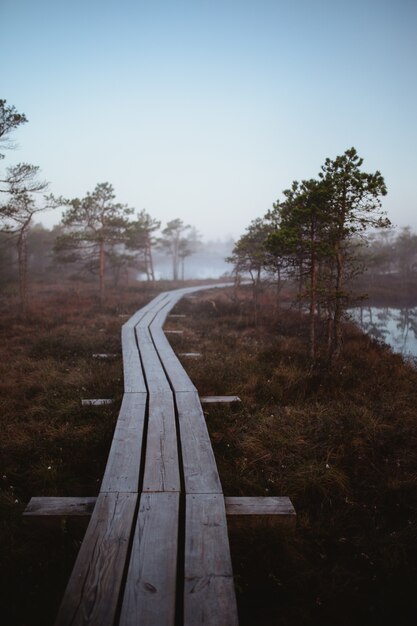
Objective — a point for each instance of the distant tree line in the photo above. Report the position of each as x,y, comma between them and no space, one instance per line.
97,235
315,235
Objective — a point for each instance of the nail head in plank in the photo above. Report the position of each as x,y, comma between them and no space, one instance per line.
209,596
150,588
93,589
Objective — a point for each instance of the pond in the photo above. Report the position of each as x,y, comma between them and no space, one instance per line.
395,327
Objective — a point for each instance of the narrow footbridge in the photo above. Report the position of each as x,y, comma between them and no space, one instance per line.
156,550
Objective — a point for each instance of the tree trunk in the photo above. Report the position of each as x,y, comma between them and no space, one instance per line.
313,298
101,271
336,336
175,262
149,263
22,262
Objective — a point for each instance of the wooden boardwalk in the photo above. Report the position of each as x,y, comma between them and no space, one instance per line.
156,551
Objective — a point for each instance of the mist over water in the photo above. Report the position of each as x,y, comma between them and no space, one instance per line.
207,262
397,327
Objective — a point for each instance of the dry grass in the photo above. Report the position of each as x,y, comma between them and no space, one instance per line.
50,444
341,444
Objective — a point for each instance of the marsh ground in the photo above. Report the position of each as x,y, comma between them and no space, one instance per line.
340,443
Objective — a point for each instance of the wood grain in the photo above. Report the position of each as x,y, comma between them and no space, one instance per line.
161,459
257,512
150,589
59,507
93,590
178,377
156,379
209,596
134,381
123,464
200,470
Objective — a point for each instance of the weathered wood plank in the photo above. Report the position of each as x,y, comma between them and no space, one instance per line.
154,304
93,590
161,458
239,510
134,381
59,507
200,470
254,512
94,594
209,596
150,589
97,401
177,375
123,464
219,399
156,379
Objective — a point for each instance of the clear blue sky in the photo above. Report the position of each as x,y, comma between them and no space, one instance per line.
207,110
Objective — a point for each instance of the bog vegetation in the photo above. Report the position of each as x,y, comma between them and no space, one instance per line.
327,417
341,443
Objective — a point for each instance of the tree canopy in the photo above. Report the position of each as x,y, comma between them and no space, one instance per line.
94,226
312,232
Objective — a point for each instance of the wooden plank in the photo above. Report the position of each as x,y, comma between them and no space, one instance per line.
219,399
134,381
200,470
209,596
93,590
59,507
156,379
150,589
123,464
97,401
175,372
161,458
162,314
236,506
253,512
154,308
154,304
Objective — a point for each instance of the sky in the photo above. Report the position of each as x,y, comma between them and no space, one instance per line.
208,110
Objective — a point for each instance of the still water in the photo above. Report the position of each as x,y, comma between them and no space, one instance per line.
395,327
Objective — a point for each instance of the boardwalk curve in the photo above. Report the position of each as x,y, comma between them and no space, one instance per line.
156,551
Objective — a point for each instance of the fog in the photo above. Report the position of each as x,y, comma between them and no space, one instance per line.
207,262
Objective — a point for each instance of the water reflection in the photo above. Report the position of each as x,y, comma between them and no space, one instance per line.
395,327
